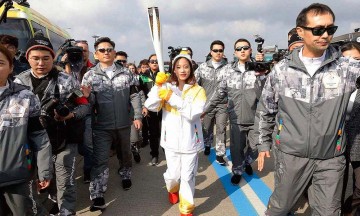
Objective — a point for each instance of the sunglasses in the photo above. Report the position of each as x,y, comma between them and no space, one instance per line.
103,50
122,61
153,61
217,50
242,48
318,31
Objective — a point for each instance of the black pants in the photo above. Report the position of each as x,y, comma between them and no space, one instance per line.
152,131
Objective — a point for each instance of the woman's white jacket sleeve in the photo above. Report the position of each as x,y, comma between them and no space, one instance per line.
153,103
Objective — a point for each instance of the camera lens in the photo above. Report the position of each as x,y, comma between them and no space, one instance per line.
62,110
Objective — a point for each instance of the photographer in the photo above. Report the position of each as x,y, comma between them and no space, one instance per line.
86,147
241,86
61,109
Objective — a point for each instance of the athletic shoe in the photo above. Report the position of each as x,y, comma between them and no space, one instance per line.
235,179
248,169
126,184
220,160
207,150
98,204
154,161
174,197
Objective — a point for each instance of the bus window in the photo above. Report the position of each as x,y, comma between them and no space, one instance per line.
38,28
18,28
56,40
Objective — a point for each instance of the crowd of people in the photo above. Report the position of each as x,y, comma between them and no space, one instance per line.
305,109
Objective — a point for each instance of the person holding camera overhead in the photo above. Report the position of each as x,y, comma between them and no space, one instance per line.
241,86
206,76
62,107
79,60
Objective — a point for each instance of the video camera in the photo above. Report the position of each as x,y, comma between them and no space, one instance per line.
74,55
174,52
62,109
257,65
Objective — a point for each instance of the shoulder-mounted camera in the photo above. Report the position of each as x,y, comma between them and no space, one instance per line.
74,55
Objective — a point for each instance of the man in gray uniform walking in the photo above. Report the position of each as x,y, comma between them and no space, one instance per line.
304,101
112,91
206,76
242,88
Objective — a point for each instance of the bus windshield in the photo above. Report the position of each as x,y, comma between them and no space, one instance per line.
18,28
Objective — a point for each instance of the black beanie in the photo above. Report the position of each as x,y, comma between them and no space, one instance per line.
293,39
39,41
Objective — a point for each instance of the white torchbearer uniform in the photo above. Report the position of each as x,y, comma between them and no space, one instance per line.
181,137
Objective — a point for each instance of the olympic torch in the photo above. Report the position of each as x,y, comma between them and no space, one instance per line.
155,32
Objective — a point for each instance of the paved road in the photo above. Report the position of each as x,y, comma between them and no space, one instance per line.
214,196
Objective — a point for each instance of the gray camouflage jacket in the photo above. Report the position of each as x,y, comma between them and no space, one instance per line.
22,137
66,84
241,89
308,112
207,77
112,98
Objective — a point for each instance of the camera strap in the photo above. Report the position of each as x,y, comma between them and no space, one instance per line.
53,75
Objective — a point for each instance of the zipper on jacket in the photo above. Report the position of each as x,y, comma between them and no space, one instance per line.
340,133
310,113
196,135
114,108
28,156
277,137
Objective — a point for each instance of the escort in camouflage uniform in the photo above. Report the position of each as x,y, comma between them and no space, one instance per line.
111,98
207,76
241,89
308,114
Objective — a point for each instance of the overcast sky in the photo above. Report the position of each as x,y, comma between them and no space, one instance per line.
194,23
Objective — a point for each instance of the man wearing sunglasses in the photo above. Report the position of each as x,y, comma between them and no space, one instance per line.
302,108
121,58
206,76
113,88
241,88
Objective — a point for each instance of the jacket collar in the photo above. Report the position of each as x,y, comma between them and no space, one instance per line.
331,55
209,63
117,70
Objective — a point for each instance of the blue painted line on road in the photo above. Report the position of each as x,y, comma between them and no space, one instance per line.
255,182
240,201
